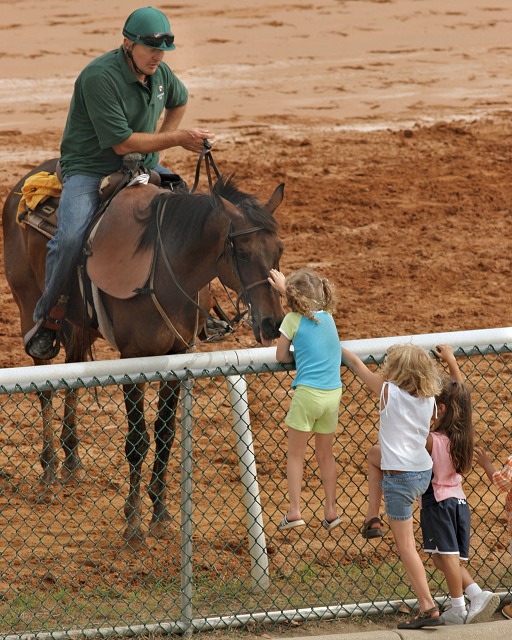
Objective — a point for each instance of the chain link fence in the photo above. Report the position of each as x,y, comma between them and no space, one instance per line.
221,561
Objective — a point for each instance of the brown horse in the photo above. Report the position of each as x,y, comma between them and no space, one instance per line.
195,238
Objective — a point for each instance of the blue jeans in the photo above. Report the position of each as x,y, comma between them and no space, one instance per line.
401,490
78,202
164,171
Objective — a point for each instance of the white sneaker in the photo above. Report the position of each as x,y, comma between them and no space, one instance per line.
482,607
454,617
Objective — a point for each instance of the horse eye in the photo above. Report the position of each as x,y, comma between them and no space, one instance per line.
243,256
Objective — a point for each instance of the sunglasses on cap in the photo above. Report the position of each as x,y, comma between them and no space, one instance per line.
154,39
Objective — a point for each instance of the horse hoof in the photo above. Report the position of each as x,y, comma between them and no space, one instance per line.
133,540
160,529
72,476
45,496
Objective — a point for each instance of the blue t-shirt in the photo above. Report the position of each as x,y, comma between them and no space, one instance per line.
316,349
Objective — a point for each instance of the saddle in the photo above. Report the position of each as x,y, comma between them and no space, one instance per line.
113,265
113,262
37,208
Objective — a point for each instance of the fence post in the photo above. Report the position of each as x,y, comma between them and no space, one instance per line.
249,480
186,506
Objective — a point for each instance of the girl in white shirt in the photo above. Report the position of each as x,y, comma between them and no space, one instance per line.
406,386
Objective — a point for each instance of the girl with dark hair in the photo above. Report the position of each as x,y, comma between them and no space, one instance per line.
445,515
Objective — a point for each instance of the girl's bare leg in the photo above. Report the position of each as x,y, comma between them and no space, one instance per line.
449,564
374,489
406,546
467,578
327,464
297,443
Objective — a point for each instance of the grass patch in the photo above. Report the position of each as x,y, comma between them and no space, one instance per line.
309,584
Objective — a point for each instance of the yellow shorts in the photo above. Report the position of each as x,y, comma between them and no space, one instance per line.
314,410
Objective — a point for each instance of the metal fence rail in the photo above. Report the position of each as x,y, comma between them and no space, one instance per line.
66,571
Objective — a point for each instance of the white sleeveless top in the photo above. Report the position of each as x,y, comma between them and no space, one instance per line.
404,428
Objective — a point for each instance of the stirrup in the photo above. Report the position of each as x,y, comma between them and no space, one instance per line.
53,323
32,336
56,315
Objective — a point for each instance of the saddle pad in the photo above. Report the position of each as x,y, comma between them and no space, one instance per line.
36,189
114,265
43,219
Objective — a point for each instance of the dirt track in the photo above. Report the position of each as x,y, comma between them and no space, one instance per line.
412,224
410,221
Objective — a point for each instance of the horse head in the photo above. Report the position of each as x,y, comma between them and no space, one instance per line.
252,248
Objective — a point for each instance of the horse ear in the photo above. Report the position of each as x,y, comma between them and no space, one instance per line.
232,211
276,198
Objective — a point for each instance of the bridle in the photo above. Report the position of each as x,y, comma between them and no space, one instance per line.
243,295
230,250
240,315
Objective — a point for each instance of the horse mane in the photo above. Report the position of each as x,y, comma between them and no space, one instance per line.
247,204
185,214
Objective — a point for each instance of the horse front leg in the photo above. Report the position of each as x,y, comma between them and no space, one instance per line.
72,470
165,429
136,448
49,458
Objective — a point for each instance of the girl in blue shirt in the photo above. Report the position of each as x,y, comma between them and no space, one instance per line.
310,328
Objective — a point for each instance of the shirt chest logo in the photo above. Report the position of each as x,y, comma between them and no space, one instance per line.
160,94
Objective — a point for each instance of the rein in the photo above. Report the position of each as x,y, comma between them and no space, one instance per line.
239,315
245,288
205,154
174,278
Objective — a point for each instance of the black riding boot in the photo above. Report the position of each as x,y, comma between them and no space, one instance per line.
43,341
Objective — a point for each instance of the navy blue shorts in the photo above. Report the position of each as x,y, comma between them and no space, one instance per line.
446,527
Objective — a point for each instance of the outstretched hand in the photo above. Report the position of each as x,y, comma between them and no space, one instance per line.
444,352
277,281
480,456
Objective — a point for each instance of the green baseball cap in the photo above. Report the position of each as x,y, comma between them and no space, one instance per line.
150,27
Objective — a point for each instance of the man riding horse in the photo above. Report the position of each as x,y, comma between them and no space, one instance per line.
115,108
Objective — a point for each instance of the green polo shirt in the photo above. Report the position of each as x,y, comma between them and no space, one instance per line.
107,106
